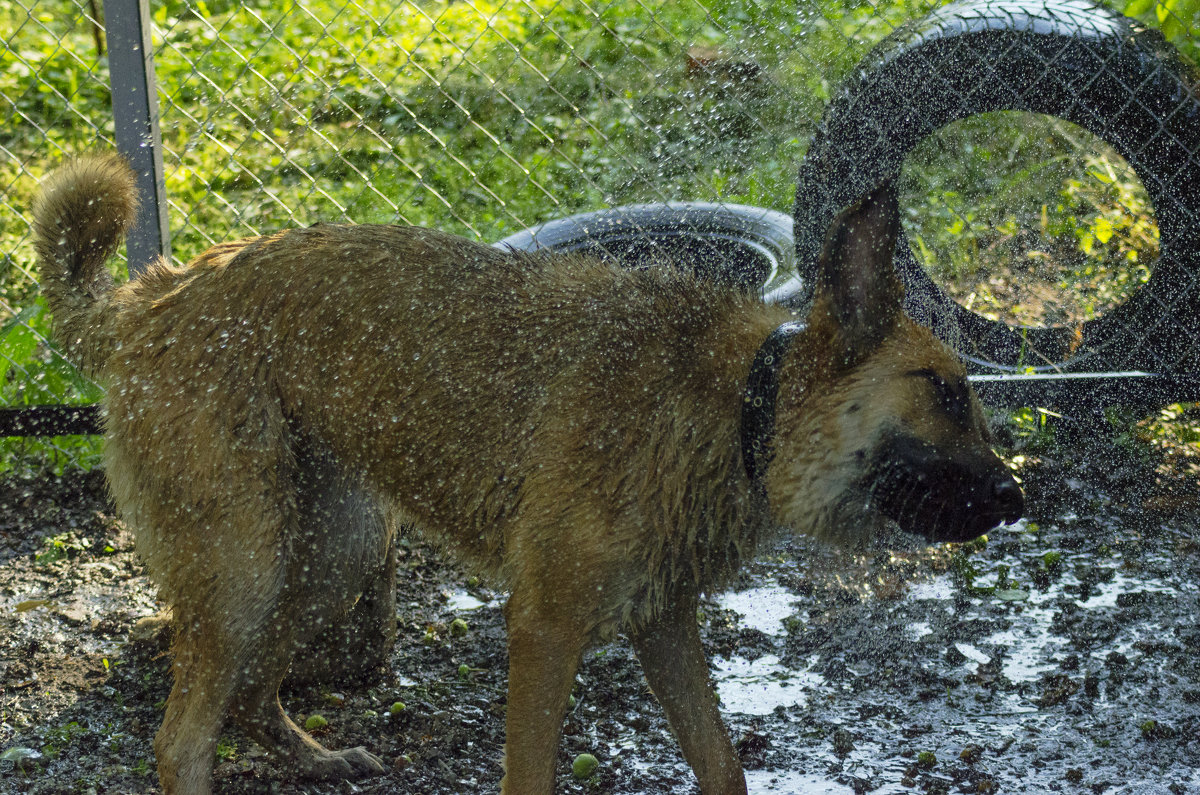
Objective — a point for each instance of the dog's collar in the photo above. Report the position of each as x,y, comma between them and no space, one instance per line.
758,401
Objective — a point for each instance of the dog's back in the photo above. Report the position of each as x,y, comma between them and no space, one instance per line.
438,359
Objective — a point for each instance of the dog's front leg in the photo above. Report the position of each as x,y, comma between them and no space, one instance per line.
546,636
674,663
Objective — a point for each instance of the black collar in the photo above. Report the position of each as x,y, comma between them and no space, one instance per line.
758,401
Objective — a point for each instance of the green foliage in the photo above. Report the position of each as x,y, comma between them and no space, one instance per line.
478,118
60,547
1033,429
483,118
226,750
1028,219
1179,20
59,738
1174,427
35,373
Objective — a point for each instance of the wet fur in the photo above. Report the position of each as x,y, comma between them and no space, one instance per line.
277,408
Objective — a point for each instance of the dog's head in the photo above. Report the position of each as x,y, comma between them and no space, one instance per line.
875,419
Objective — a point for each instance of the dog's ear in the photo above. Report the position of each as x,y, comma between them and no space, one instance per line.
857,291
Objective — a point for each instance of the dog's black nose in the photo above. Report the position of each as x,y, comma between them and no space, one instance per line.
1008,499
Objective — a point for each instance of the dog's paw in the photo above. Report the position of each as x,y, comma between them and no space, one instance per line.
350,763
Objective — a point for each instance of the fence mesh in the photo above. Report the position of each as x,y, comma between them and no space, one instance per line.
483,118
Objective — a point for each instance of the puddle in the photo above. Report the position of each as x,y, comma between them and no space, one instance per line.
461,601
757,687
1034,649
972,654
938,589
919,629
1105,594
793,783
960,703
763,608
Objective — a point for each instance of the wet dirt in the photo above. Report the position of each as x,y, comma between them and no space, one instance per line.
1061,656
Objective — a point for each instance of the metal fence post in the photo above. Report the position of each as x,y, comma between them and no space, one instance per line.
135,117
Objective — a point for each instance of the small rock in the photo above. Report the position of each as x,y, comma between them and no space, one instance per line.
19,758
1156,730
73,615
971,754
1056,688
1011,594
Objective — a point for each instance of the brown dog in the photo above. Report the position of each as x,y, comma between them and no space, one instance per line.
606,444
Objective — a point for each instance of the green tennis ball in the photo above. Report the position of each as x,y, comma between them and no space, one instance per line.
584,765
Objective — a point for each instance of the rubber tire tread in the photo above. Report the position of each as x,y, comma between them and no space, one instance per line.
767,233
1065,58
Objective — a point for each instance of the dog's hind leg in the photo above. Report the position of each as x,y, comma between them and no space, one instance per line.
226,545
339,586
186,743
675,666
269,725
346,548
258,711
358,644
236,670
221,616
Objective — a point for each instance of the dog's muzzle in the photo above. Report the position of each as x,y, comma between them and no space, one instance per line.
942,496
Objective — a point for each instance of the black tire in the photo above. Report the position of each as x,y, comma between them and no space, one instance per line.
729,243
1065,58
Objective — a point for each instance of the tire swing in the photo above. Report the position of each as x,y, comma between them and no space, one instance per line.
1064,58
732,244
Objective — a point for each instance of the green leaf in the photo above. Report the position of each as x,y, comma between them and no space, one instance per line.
17,338
1177,17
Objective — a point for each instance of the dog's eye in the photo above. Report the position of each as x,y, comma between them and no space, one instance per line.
954,396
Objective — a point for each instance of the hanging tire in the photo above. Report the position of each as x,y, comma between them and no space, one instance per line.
1064,58
729,243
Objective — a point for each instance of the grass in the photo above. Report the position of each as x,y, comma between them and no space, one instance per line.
1029,219
483,118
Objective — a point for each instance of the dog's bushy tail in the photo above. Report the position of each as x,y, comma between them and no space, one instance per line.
80,216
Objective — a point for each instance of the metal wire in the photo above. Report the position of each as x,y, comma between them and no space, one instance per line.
484,118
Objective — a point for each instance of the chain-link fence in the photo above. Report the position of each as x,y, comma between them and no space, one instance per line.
484,118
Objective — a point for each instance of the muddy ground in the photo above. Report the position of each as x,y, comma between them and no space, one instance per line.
1062,656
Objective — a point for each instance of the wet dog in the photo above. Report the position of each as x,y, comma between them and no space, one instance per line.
606,444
